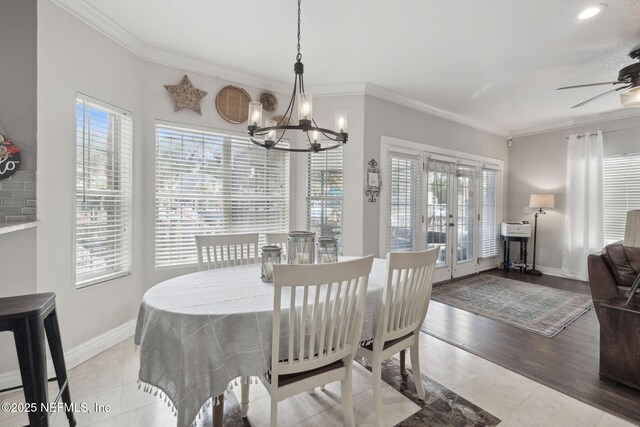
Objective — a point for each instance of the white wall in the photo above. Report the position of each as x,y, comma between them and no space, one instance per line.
75,58
383,118
538,164
158,106
18,116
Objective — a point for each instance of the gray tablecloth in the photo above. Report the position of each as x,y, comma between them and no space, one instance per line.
198,332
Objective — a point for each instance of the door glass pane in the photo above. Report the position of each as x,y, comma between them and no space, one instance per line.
466,215
403,204
438,213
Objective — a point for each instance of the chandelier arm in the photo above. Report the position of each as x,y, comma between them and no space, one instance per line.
289,109
296,150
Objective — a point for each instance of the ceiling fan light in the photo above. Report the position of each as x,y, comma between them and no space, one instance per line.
631,97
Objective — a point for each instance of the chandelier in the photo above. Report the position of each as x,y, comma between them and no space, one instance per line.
273,132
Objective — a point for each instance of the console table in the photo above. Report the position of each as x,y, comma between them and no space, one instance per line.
620,341
506,240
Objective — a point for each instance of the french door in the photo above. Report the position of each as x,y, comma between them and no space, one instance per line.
453,222
436,200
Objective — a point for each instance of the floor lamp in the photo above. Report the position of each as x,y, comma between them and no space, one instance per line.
539,202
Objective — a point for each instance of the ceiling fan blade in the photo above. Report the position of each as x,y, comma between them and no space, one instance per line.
593,84
601,95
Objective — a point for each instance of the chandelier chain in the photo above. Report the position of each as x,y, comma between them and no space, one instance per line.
299,55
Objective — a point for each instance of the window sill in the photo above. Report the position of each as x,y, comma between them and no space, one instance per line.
11,228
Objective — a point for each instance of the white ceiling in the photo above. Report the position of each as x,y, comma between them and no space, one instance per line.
494,61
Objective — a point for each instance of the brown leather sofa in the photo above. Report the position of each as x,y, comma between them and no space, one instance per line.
612,272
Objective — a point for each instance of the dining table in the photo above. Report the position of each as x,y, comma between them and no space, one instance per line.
200,333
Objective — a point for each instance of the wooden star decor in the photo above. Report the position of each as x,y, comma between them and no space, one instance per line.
186,96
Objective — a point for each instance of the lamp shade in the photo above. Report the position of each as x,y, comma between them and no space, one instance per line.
542,201
632,230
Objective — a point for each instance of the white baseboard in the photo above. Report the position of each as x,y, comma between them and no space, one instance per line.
79,354
551,271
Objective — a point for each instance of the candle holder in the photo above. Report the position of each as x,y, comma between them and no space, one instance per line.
327,249
301,247
270,255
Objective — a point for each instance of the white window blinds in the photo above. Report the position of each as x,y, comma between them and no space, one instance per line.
324,193
103,192
489,214
621,188
403,214
213,183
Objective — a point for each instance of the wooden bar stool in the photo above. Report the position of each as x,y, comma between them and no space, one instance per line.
28,317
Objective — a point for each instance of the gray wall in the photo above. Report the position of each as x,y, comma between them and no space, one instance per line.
383,118
18,116
538,164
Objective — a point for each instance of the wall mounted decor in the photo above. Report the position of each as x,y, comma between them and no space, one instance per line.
186,96
9,157
269,101
373,181
232,104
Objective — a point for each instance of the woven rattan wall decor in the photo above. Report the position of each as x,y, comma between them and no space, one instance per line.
232,104
269,102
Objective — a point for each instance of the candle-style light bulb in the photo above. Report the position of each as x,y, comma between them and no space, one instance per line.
255,114
305,109
341,121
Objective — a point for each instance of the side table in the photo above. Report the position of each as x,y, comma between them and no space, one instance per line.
506,240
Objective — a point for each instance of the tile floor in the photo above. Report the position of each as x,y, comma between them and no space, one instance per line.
110,379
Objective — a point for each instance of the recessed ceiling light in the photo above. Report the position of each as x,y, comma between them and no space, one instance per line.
591,11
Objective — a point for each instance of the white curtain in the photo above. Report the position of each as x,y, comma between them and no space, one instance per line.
583,225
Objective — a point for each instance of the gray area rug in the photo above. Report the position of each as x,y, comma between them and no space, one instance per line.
540,309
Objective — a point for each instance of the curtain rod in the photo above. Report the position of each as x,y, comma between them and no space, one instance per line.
608,131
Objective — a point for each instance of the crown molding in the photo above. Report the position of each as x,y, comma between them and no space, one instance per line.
100,22
106,26
379,92
387,95
620,114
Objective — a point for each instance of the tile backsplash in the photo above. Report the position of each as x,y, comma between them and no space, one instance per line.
18,198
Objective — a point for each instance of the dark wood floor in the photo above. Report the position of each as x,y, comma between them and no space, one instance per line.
567,363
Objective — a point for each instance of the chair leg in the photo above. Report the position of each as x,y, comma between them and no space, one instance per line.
347,398
274,412
376,366
244,392
403,369
57,355
415,367
29,338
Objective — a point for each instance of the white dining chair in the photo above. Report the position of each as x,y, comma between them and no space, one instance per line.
280,240
327,302
226,250
405,301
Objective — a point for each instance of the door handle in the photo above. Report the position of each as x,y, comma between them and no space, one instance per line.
451,224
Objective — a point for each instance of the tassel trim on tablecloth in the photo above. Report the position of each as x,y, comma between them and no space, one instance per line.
158,392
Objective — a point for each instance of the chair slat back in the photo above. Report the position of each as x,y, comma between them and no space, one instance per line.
226,250
407,292
280,240
318,310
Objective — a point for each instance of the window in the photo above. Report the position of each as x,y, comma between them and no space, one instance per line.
404,207
621,187
213,183
324,193
489,214
103,192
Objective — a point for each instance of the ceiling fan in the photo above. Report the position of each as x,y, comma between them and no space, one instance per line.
629,76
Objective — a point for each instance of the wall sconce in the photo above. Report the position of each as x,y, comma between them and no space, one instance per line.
373,181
